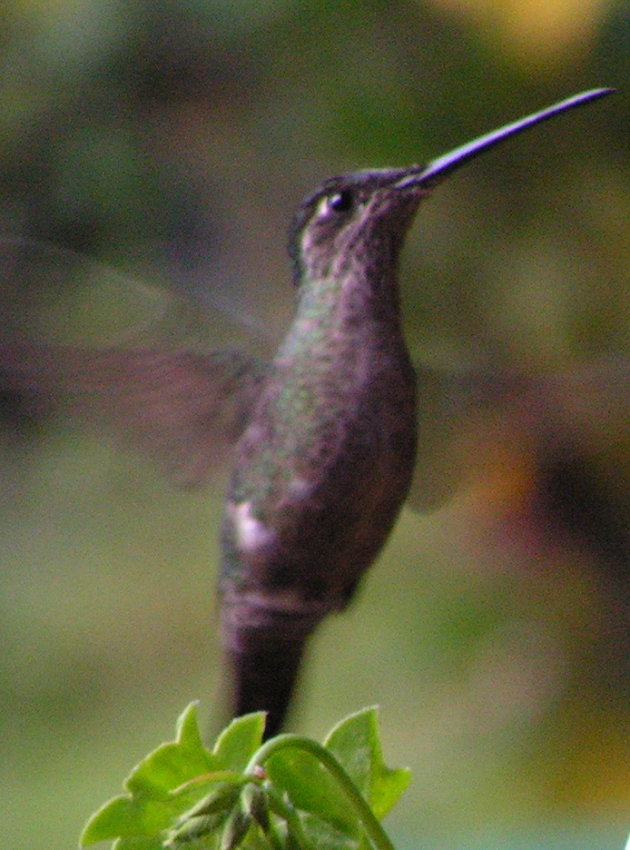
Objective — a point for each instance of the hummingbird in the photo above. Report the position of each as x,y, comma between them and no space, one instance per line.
326,459
325,436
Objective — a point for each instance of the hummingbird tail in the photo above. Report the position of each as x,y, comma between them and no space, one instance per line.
263,670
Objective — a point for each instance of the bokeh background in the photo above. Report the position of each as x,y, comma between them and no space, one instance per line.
172,141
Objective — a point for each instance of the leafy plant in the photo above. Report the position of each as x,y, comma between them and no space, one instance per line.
289,792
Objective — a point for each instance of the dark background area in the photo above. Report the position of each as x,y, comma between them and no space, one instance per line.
172,141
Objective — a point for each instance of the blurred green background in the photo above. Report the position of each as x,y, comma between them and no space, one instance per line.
172,141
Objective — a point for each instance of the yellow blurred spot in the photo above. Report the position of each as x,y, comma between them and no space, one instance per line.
539,33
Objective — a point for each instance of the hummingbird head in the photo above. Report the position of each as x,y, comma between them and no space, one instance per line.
364,216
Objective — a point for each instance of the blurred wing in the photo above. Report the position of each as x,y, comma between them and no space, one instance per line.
180,408
474,426
159,384
543,459
58,297
541,468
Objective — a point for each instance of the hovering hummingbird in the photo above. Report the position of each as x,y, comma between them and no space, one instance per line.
325,435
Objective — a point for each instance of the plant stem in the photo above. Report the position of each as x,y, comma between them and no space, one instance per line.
365,814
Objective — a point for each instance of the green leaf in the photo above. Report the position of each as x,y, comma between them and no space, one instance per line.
356,742
239,741
125,817
329,816
186,795
175,763
172,779
155,785
143,843
312,789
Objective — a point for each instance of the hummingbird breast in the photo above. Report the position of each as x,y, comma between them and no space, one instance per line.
321,471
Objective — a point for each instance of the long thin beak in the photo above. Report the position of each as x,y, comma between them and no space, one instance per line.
435,171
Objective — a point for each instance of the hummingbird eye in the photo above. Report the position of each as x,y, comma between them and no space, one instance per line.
341,201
